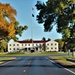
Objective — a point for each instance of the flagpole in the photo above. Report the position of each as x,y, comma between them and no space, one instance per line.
32,26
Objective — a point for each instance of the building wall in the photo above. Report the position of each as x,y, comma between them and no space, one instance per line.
29,46
14,47
51,46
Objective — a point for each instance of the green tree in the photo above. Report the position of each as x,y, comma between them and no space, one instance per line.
19,30
48,39
60,44
44,39
44,44
60,13
3,46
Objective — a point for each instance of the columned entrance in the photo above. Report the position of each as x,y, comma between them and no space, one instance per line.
31,50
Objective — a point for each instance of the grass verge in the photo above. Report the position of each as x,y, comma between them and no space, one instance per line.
5,59
31,54
62,60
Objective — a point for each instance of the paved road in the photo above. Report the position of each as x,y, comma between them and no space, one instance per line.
33,66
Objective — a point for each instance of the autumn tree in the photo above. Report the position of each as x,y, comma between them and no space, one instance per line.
9,26
7,20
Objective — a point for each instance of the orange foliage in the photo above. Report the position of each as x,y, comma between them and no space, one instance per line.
7,21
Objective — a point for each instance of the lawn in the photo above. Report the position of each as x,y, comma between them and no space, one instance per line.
31,54
63,60
6,58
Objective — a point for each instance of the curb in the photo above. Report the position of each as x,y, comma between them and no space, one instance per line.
69,59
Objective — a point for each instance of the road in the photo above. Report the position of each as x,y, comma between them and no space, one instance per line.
40,65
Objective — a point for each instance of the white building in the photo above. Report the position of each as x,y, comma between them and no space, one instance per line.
14,47
51,46
32,46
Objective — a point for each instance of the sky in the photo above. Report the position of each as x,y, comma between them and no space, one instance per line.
24,17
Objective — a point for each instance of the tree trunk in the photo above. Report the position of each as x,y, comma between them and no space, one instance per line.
73,53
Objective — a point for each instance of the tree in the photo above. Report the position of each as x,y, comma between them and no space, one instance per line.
61,44
3,46
19,30
60,13
44,39
9,27
7,20
56,12
49,39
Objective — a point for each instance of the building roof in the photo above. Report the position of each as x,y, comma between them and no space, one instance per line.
32,41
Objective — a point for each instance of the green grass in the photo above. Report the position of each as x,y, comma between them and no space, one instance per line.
31,54
62,57
6,58
62,60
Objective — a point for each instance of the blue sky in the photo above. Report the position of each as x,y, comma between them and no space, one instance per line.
24,16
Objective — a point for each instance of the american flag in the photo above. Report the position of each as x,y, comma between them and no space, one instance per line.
32,14
32,8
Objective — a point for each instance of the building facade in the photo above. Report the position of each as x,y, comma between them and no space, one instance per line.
32,46
51,46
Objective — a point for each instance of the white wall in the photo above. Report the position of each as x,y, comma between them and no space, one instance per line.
51,46
14,47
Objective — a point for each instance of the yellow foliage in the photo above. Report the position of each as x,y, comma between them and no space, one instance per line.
12,30
7,20
74,12
62,5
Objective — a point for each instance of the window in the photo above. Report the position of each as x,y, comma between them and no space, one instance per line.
55,48
10,48
25,44
17,48
51,47
51,44
13,44
17,44
13,48
48,44
10,45
47,48
55,44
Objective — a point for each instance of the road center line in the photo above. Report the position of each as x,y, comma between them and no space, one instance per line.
29,63
24,71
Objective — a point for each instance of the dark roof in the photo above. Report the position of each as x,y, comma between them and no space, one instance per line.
32,41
